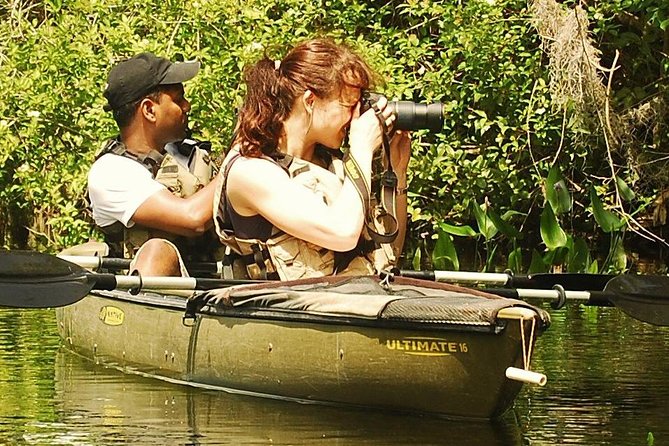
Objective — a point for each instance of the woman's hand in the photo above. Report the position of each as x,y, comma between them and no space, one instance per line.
365,134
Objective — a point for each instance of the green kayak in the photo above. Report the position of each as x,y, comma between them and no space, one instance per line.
407,345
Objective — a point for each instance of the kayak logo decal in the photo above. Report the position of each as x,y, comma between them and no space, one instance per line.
423,346
111,315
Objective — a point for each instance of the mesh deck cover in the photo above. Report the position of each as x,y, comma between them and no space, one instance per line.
364,297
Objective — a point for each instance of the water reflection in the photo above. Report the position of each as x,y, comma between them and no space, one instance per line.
28,342
607,386
608,381
103,406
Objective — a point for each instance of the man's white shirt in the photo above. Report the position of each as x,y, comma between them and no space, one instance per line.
117,187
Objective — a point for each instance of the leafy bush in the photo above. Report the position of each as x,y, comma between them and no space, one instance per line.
483,59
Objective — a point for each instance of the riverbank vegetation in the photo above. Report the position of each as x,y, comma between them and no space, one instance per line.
554,152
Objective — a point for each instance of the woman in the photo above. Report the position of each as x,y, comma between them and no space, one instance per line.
283,193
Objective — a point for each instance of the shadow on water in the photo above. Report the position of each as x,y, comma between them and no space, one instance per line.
100,406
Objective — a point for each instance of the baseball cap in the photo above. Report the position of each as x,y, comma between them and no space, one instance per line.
133,78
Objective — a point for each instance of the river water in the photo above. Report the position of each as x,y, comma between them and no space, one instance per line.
608,384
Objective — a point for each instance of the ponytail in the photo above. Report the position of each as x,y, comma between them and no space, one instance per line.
318,65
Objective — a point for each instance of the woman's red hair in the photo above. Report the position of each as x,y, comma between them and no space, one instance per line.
318,65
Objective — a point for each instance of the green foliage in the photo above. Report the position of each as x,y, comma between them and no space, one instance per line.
626,193
551,232
444,255
557,194
606,219
515,262
482,59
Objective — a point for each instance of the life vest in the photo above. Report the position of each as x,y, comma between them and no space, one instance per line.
181,181
284,256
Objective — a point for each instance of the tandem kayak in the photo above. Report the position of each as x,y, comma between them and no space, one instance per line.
405,345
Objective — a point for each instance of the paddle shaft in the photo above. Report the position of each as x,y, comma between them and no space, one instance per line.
137,283
105,281
558,297
571,281
118,264
579,282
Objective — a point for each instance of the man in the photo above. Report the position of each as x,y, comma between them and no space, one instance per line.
127,182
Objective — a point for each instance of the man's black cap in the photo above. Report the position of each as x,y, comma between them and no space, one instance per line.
134,78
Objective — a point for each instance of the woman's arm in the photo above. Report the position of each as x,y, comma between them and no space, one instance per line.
258,186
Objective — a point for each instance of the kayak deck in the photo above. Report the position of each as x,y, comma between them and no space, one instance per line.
365,298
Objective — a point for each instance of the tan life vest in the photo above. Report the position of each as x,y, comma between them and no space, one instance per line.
182,182
322,182
282,255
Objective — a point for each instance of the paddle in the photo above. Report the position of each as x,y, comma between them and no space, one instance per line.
570,281
645,298
118,264
37,280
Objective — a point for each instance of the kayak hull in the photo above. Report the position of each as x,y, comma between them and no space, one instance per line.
441,369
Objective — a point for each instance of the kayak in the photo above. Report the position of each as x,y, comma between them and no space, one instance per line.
404,345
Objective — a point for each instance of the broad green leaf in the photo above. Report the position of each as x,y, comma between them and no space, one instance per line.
486,227
444,255
515,261
579,256
619,257
537,264
593,268
606,219
504,227
462,231
490,259
551,232
416,261
626,193
556,256
510,213
557,193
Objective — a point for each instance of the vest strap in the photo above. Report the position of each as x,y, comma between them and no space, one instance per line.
381,222
151,160
353,171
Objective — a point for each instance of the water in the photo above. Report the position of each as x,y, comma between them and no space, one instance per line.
607,386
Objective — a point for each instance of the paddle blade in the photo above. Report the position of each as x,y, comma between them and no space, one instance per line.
36,280
642,297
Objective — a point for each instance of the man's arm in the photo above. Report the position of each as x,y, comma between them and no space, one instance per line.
190,216
122,190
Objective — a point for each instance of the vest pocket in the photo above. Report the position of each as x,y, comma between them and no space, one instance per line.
297,259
